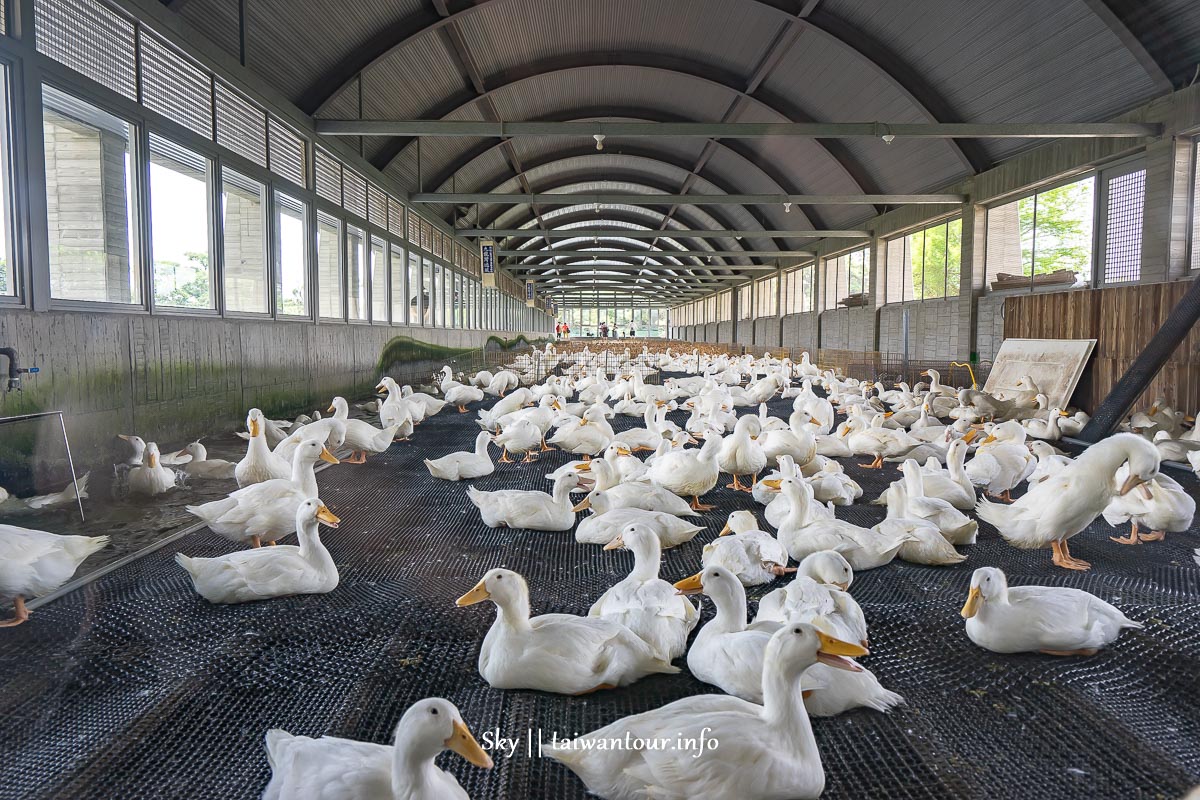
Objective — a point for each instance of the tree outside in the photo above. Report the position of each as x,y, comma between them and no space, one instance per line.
1056,229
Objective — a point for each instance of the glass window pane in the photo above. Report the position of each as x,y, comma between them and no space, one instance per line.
379,293
418,301
8,283
243,222
292,288
953,257
399,270
356,274
457,301
428,296
89,202
179,225
329,265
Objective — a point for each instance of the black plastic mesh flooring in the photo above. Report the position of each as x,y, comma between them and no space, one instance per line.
134,687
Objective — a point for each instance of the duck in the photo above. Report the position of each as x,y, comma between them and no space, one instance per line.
641,494
820,588
303,768
645,439
249,575
542,416
558,653
464,465
925,543
539,511
430,405
259,463
831,484
950,483
1176,450
522,436
329,431
741,454
71,494
689,472
1049,461
362,437
1056,509
266,511
1046,429
863,548
750,761
489,418
459,394
1053,620
34,563
397,410
605,522
794,439
139,452
878,441
202,467
151,478
502,381
907,499
645,603
1160,505
588,436
1002,461
727,653
754,556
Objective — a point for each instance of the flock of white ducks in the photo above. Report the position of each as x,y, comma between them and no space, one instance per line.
795,658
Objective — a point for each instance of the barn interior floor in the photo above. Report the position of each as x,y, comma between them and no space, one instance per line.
134,687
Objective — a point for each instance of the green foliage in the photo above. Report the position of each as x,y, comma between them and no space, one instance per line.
936,258
194,292
1062,238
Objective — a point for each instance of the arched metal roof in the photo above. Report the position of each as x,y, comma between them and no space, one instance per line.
703,61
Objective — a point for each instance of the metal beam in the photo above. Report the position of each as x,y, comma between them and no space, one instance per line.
741,130
688,199
585,266
671,233
600,252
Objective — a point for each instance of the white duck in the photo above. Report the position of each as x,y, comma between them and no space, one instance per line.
266,511
754,556
925,545
587,436
259,464
459,394
645,439
139,451
502,381
151,477
303,768
522,436
741,454
202,467
689,472
795,439
1160,504
876,440
249,575
430,405
466,464
329,431
397,410
1054,620
606,522
1064,504
765,752
555,652
1049,461
951,483
907,499
863,548
539,511
821,588
1047,429
34,563
641,494
362,437
643,602
831,484
1002,460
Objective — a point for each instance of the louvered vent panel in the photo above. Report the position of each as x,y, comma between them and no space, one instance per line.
175,86
395,217
377,206
286,151
241,125
90,39
355,192
328,177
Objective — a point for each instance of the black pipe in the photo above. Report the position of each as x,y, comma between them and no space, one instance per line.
1145,367
14,368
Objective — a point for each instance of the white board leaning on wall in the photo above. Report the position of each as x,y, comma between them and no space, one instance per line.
1055,365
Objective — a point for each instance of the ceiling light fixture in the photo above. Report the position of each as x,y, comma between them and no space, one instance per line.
787,208
599,137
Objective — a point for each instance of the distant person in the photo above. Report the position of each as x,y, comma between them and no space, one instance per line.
604,330
566,331
632,332
558,330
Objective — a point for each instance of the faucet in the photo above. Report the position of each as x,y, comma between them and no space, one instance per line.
15,369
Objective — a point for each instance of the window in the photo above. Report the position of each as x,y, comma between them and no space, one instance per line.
766,297
458,301
89,202
180,229
399,271
725,307
1125,196
798,296
291,289
444,293
418,298
744,302
379,290
89,38
845,276
8,280
1044,233
925,264
429,299
356,274
329,265
243,214
287,152
1195,230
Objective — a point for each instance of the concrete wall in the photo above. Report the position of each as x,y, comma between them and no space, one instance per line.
174,378
766,332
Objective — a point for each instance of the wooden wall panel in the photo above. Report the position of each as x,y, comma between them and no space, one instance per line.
1122,320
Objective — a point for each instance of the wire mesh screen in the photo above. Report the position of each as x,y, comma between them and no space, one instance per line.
328,178
286,152
174,86
1123,231
1195,229
241,125
89,38
354,188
